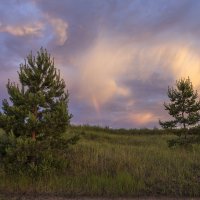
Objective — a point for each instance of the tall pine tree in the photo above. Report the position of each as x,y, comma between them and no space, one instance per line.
184,105
39,106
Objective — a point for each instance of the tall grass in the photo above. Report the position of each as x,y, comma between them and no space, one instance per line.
105,164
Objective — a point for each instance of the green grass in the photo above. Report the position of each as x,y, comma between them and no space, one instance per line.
105,163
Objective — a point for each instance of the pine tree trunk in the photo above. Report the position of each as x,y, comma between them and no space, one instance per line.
184,125
185,132
34,132
33,135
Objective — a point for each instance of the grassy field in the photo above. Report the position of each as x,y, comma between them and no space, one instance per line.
113,163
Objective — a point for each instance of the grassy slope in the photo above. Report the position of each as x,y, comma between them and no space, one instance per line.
108,164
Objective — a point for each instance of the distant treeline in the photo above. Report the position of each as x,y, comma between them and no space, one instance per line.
81,129
107,129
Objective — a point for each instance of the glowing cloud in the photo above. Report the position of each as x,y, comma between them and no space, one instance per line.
100,67
112,59
187,63
142,118
22,30
171,58
60,28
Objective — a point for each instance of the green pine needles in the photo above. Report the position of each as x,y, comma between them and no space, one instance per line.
39,107
184,106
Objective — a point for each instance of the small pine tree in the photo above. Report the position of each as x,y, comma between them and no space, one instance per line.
184,106
39,107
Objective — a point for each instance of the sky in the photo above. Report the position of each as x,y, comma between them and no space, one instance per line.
117,57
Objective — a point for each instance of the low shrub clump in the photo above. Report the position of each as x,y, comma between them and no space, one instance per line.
22,156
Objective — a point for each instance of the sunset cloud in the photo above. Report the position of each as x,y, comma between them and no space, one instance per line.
100,67
23,30
60,29
117,57
142,118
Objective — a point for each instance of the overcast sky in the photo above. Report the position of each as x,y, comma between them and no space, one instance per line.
117,57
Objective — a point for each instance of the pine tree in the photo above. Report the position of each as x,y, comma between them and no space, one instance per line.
184,105
39,107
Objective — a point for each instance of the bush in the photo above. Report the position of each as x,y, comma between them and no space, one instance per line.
24,156
186,137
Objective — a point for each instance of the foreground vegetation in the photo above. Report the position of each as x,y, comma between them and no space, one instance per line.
109,163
